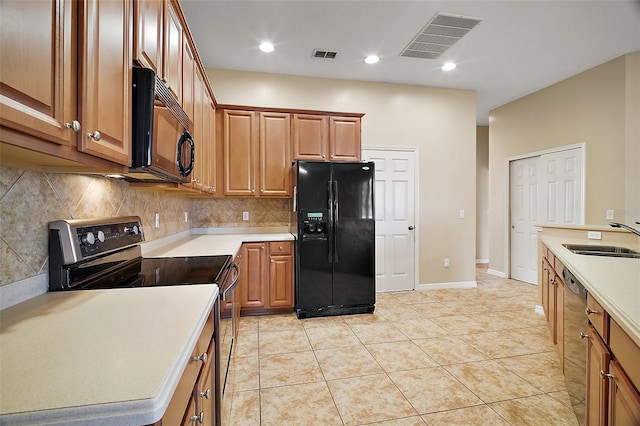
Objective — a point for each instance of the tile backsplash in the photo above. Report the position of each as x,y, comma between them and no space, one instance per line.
29,200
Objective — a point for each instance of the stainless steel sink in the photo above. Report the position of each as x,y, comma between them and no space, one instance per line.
610,251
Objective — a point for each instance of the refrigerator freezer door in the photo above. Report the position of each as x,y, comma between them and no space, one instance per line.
354,233
314,268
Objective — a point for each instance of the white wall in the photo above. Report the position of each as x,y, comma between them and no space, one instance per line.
439,122
482,194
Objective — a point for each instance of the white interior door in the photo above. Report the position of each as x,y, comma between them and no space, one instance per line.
394,197
524,216
547,188
562,196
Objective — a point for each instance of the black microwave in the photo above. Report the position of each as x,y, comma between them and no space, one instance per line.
162,147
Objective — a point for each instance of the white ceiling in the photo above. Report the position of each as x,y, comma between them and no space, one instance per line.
520,46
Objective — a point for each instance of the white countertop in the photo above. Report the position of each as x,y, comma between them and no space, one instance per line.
614,282
98,357
212,242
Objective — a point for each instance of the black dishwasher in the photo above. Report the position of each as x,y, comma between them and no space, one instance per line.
576,325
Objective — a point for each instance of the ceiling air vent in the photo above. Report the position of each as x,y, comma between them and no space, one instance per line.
324,54
442,32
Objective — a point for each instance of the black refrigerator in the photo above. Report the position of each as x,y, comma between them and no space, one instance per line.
335,256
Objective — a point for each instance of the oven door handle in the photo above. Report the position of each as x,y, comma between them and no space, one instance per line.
234,283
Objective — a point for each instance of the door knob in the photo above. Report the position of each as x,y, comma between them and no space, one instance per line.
411,227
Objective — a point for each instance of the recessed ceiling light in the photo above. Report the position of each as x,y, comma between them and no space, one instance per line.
266,46
372,59
448,66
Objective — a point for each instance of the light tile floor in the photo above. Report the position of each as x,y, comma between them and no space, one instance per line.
477,356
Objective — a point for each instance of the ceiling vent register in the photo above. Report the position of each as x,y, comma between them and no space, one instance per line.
442,32
324,54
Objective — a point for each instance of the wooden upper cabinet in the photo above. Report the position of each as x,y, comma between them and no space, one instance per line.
310,137
37,70
319,137
188,80
212,156
105,58
239,147
344,135
173,43
275,151
149,35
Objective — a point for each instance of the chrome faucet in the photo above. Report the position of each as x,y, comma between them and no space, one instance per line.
622,225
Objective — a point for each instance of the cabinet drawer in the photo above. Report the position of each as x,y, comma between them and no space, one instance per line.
626,352
281,247
598,317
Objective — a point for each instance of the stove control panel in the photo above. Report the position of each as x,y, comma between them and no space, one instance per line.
98,239
73,241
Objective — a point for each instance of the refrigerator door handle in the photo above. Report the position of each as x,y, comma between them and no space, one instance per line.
330,222
336,226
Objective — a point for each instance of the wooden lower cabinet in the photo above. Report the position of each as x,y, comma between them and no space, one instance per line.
191,401
598,357
624,399
266,283
553,297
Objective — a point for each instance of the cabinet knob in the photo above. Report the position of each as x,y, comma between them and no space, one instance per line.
589,311
74,125
199,418
583,335
95,135
206,394
202,357
324,156
280,248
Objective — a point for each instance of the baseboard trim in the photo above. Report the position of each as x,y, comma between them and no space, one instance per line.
440,286
496,273
482,261
539,310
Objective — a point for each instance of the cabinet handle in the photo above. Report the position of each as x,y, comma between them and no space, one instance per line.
202,357
206,394
74,125
199,418
95,135
606,375
590,311
583,335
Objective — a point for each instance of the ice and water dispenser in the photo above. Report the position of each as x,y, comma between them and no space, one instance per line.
314,225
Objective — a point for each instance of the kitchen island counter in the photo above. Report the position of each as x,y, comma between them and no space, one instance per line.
103,357
613,282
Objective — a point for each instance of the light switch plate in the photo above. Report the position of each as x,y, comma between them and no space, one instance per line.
609,214
594,235
461,214
186,217
156,220
245,215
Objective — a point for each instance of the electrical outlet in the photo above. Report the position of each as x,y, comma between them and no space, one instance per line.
156,220
446,263
609,214
245,215
186,217
594,235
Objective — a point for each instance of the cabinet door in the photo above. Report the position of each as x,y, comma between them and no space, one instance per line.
148,26
275,153
254,293
545,288
310,137
598,357
281,275
211,161
105,79
173,52
189,93
239,139
553,305
344,138
38,36
200,117
624,400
